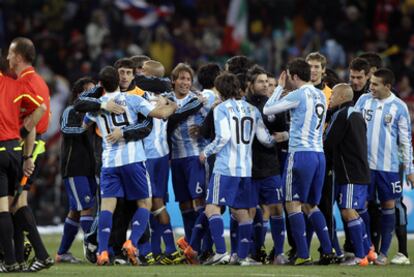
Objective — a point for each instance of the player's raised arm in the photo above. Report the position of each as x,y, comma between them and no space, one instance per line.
276,105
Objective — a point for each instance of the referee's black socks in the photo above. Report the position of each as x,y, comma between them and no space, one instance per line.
24,218
6,237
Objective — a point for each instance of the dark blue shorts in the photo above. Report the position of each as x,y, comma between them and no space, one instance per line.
235,192
351,196
188,178
130,181
387,185
303,176
81,192
269,190
159,170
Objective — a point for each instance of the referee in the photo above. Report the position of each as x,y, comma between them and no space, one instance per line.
12,98
21,56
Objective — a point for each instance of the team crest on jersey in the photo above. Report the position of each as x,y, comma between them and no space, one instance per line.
87,199
388,118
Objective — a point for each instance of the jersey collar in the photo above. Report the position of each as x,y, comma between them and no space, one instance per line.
27,71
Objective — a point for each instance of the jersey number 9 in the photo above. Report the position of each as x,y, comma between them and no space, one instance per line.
319,110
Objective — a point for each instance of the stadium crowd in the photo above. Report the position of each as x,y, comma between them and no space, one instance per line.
275,151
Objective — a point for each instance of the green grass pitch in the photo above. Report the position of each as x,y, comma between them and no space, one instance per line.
87,269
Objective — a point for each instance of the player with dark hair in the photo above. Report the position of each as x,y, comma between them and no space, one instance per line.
266,175
305,168
123,174
389,130
78,173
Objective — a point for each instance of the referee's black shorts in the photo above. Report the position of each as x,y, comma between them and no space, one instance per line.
10,166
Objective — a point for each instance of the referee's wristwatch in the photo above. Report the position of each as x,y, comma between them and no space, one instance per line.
26,157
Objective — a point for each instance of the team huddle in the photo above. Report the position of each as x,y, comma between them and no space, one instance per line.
273,152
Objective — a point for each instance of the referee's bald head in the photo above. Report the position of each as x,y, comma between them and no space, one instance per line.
25,48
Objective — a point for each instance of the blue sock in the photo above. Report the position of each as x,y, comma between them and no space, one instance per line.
234,234
365,217
319,225
335,241
86,223
297,221
387,229
199,230
70,229
245,235
168,237
155,236
309,231
216,225
104,230
258,230
277,227
189,219
144,248
138,224
207,243
365,240
355,232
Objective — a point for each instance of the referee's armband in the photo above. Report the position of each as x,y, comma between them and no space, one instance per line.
24,132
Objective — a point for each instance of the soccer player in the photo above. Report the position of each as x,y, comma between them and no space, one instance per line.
200,233
13,97
359,74
271,84
21,56
266,175
188,174
138,61
123,169
89,101
305,168
157,152
78,172
346,146
389,129
374,60
125,68
236,124
317,63
148,79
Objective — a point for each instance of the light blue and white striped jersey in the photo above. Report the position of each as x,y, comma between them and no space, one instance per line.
236,123
388,131
182,144
121,152
307,106
156,144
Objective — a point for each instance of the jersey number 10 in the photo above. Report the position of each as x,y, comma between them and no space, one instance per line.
117,120
241,125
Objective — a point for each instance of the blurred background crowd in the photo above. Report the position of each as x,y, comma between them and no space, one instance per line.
76,38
